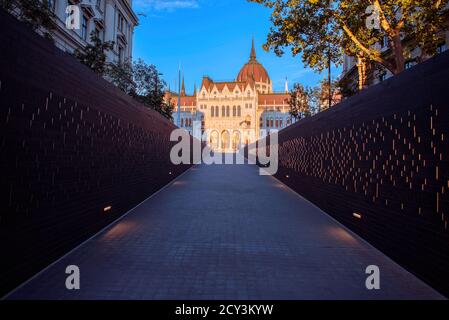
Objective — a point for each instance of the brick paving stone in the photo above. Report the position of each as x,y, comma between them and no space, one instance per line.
225,232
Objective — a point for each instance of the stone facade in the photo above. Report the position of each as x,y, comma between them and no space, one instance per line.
111,20
232,114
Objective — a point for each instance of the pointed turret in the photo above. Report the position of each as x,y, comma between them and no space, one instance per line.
194,90
183,88
252,56
286,85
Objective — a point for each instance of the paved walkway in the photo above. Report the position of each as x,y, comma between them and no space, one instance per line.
224,232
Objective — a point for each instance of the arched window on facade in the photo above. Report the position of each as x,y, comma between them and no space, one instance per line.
227,111
271,123
182,122
277,123
212,113
234,111
236,140
214,140
239,111
225,140
223,111
217,113
248,121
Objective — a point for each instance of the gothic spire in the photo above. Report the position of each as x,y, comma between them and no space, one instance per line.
253,52
183,88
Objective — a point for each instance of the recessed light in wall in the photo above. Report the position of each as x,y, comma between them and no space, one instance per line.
106,209
357,215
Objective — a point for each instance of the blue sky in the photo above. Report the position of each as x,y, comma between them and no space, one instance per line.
211,37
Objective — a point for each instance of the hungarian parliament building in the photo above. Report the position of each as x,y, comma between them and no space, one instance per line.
229,115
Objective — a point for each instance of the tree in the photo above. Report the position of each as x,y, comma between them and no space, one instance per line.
121,75
150,88
322,29
299,102
345,88
143,82
35,13
321,95
167,109
94,54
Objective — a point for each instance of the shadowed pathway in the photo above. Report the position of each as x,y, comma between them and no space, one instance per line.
224,232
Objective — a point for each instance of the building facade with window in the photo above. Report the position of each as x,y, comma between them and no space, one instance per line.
232,114
110,20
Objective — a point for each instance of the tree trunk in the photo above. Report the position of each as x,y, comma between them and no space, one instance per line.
361,67
329,81
398,53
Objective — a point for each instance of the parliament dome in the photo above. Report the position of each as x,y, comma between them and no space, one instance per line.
253,70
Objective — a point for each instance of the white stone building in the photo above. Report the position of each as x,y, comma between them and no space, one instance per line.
111,20
232,114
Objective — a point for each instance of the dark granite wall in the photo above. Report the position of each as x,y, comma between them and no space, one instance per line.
383,154
71,144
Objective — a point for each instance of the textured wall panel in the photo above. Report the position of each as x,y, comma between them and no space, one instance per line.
71,144
384,155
